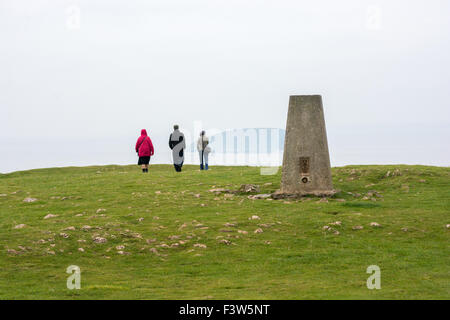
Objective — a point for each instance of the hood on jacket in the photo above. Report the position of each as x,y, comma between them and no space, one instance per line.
143,132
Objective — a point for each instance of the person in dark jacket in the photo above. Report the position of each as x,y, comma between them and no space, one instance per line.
177,145
144,148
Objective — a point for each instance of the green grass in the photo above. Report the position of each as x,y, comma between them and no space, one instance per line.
294,258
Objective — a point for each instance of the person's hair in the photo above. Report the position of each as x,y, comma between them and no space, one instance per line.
202,133
175,127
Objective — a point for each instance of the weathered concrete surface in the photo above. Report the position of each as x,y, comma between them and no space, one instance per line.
306,161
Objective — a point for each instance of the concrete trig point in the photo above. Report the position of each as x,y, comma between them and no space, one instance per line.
306,161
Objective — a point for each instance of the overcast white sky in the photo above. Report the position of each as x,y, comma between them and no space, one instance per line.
80,78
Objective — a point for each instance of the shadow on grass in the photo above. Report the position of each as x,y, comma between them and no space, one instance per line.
361,205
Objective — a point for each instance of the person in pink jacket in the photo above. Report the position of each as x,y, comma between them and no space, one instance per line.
144,148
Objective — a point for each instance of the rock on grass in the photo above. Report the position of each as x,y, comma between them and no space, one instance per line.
12,251
247,188
228,224
260,196
375,224
99,240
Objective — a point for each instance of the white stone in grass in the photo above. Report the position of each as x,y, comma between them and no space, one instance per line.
259,230
20,226
81,249
12,251
199,245
448,226
50,216
254,217
228,224
375,224
358,228
100,210
218,190
121,247
260,196
29,200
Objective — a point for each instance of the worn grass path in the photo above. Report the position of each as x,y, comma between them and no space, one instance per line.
168,237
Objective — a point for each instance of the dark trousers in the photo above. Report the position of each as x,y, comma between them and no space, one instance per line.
178,167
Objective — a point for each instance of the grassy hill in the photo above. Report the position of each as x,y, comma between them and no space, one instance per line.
164,235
